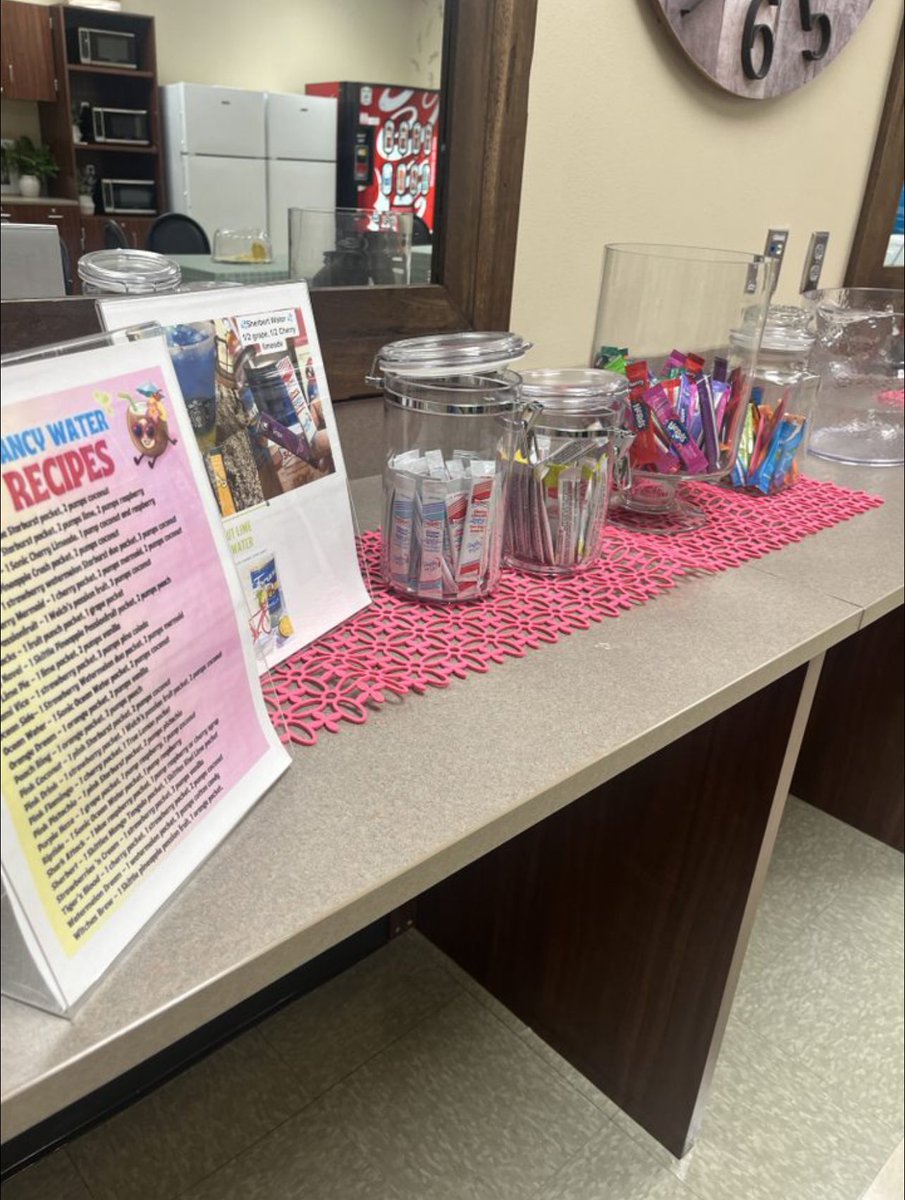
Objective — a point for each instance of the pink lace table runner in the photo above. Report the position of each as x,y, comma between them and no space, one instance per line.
397,646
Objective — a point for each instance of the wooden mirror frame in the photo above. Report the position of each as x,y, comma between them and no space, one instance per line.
486,64
881,195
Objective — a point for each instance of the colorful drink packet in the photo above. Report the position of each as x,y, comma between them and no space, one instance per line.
685,417
441,524
769,443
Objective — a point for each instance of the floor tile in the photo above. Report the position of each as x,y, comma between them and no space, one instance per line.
168,1141
461,1109
612,1167
867,911
307,1158
890,1183
327,1034
772,1131
838,1010
53,1178
813,854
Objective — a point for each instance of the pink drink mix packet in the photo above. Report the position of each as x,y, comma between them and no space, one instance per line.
693,459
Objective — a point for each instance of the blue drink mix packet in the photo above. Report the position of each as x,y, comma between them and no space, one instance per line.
772,472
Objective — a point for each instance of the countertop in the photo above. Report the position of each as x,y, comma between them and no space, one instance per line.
53,201
370,817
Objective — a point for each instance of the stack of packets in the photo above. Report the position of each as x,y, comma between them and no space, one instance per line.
768,447
556,506
682,419
442,540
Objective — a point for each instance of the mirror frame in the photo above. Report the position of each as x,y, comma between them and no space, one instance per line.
487,49
881,195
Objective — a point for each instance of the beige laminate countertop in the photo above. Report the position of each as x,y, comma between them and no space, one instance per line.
53,201
368,818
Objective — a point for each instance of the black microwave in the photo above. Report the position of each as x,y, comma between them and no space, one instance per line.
128,126
136,196
107,48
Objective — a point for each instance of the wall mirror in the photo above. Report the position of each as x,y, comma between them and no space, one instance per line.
486,56
876,255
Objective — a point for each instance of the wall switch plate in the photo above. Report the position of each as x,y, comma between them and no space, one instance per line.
813,263
775,248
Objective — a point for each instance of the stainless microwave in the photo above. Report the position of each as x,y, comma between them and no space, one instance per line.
126,126
136,196
107,48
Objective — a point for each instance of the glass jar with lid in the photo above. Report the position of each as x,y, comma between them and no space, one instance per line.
570,447
129,272
780,403
449,404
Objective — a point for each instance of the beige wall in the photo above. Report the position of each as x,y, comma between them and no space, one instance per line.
702,167
281,45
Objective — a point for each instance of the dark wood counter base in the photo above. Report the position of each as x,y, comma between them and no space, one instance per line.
615,928
851,763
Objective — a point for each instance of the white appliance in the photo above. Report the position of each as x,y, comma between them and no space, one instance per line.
214,141
301,159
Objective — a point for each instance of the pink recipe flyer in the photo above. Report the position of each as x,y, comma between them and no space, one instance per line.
135,736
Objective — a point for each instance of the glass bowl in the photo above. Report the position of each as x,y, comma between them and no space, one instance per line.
242,246
665,319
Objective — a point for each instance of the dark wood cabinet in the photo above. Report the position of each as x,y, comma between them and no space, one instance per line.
136,230
27,56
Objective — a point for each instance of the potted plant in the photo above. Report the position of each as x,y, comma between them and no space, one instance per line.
34,163
87,184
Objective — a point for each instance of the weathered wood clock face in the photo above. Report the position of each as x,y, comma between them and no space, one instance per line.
761,48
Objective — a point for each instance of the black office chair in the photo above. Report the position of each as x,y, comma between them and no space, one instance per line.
421,235
114,236
67,267
175,233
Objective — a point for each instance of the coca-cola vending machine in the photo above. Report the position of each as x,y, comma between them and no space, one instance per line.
387,147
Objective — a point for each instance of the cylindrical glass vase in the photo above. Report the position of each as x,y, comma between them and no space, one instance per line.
858,353
449,430
665,318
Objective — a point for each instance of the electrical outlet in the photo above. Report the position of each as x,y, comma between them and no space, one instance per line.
775,248
813,263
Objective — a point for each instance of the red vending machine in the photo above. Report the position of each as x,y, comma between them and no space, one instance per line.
387,147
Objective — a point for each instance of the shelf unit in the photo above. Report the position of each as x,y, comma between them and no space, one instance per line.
111,87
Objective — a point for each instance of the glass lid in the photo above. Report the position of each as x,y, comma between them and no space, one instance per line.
574,389
130,271
787,328
468,353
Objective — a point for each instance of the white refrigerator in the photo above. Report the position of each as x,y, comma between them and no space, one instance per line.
215,147
301,159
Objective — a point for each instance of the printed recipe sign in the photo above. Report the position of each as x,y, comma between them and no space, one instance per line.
134,734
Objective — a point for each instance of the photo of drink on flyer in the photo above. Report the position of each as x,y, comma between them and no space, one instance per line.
251,391
255,391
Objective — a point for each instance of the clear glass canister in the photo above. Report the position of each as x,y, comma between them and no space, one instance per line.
449,404
781,401
570,442
129,272
858,354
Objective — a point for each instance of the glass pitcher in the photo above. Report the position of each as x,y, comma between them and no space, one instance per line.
858,352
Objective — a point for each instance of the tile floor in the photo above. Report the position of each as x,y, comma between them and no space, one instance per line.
403,1080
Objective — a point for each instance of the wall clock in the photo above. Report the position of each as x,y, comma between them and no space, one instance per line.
762,48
